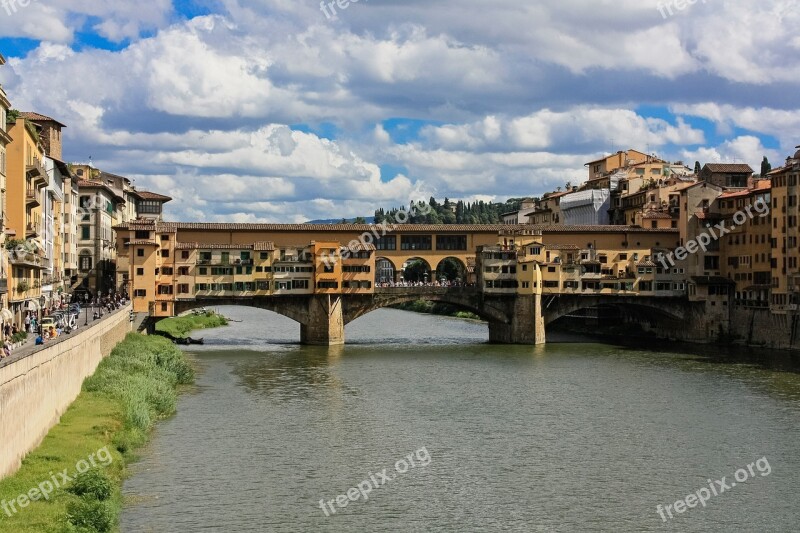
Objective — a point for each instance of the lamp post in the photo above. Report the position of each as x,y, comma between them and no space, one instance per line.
86,303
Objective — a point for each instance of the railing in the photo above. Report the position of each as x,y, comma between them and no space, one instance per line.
25,259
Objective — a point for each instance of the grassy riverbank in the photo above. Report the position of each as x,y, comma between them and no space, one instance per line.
180,327
132,389
432,308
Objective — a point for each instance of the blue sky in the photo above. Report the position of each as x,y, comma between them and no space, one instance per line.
270,111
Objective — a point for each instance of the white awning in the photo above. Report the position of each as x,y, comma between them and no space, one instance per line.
32,305
5,314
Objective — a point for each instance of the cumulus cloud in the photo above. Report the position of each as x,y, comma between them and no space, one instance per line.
220,111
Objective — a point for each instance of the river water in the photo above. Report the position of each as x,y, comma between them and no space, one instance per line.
474,437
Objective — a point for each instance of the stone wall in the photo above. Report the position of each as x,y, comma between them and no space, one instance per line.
37,390
759,327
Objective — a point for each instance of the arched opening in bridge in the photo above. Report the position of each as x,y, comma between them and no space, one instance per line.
621,320
416,270
385,271
451,270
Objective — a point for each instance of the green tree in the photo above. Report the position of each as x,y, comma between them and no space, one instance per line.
697,168
765,166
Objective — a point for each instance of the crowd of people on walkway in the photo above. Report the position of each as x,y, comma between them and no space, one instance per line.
442,283
32,325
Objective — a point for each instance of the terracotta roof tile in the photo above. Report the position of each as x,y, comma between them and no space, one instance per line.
36,117
733,168
142,242
360,247
398,228
147,195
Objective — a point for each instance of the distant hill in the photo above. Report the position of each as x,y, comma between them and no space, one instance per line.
369,220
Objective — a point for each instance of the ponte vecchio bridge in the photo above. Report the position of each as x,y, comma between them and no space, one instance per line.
518,278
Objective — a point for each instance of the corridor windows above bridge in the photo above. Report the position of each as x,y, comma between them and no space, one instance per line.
416,242
387,242
451,242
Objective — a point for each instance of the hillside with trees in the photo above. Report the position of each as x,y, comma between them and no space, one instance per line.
448,212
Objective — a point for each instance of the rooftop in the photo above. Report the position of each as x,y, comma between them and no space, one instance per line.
147,195
729,168
37,117
377,228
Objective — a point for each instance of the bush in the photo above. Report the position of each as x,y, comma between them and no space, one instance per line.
90,515
19,336
180,327
93,483
141,374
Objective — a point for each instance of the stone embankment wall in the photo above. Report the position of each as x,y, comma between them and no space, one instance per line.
36,390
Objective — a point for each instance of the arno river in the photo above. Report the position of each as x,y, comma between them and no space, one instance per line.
565,437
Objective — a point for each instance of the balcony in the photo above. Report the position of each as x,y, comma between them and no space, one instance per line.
27,259
37,173
32,198
32,230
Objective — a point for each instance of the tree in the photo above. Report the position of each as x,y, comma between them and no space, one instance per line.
697,168
360,220
765,167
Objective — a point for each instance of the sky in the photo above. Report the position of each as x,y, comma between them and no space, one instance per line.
292,110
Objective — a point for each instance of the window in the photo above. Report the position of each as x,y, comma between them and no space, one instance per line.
264,255
184,255
86,232
165,289
142,234
140,272
86,262
327,285
302,284
203,271
140,252
164,253
165,237
451,242
416,242
164,306
387,242
149,207
140,293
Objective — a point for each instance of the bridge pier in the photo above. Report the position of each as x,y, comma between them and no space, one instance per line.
527,323
325,326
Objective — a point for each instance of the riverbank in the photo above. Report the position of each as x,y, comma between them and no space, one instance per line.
180,327
433,308
81,463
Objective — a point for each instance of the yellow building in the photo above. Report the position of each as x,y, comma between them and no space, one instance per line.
358,268
600,169
5,139
26,181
